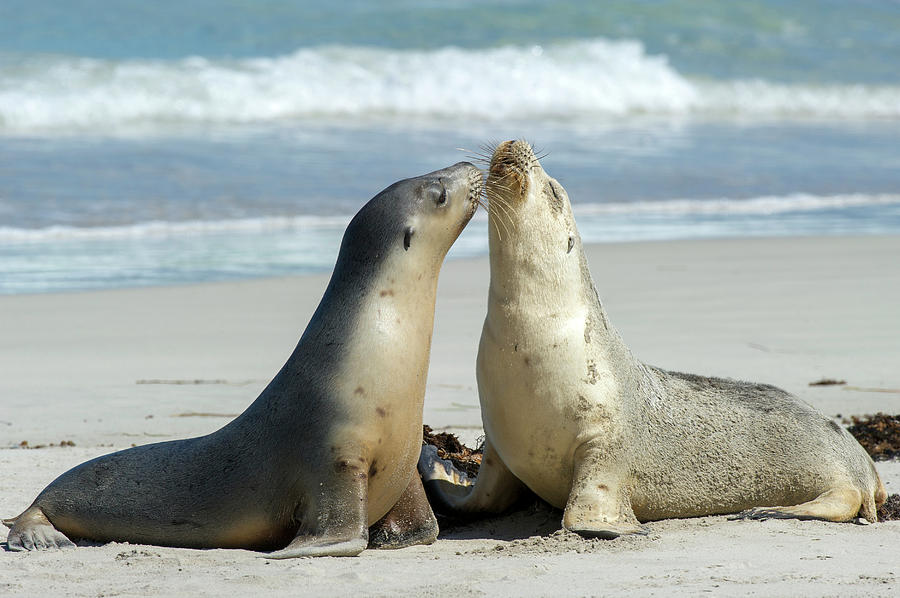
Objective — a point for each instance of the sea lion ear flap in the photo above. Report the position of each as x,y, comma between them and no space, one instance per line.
407,237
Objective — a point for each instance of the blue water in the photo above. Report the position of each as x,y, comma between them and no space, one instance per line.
168,142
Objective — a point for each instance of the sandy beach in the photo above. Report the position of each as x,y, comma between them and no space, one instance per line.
110,369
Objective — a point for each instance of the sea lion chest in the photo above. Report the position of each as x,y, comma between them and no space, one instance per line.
540,388
380,392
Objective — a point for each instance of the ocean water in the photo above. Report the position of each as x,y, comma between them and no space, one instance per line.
171,142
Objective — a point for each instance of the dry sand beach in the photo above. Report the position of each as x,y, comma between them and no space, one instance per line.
109,369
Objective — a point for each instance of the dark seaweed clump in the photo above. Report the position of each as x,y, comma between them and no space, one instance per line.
890,510
449,447
879,434
828,382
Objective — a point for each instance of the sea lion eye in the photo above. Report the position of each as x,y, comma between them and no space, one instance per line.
436,192
407,238
571,244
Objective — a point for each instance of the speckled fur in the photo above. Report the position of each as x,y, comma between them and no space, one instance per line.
573,415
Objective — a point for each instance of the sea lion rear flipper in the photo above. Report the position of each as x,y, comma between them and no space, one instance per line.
33,531
494,491
841,503
410,521
335,522
598,504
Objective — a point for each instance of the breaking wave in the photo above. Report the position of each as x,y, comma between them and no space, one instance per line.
576,80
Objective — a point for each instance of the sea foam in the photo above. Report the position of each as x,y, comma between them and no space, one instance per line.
756,206
576,80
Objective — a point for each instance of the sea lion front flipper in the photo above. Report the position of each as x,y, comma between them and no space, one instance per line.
598,505
494,491
33,531
410,521
334,523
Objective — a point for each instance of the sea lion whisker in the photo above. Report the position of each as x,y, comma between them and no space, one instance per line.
495,191
495,214
498,193
475,156
502,211
496,228
501,216
490,147
499,179
482,204
500,188
498,207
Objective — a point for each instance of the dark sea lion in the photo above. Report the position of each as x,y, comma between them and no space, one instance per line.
324,461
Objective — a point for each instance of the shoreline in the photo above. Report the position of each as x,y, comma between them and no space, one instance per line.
290,248
784,311
108,369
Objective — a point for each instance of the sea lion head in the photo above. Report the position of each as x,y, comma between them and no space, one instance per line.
416,218
530,215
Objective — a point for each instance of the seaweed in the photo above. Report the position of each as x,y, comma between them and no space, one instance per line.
449,447
879,434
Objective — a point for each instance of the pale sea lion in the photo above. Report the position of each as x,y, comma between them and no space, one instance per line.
329,447
569,412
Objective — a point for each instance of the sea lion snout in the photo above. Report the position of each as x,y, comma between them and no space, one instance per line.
511,164
456,190
466,178
515,154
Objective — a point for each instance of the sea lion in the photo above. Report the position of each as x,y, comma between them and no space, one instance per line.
572,415
329,447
